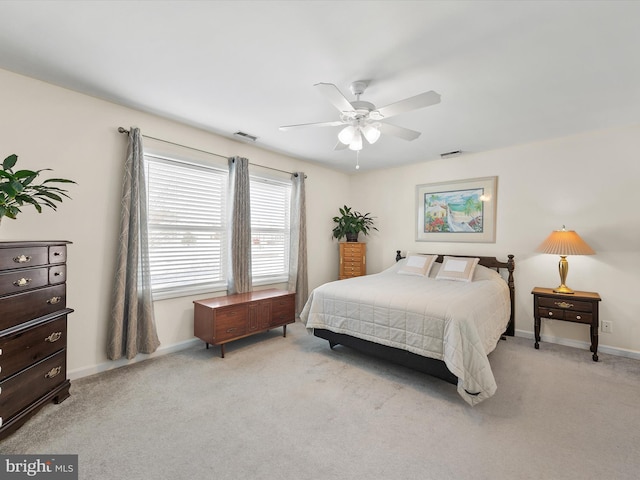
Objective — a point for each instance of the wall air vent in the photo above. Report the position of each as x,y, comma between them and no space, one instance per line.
245,136
455,153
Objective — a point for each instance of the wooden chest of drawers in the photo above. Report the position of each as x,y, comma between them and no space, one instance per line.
224,319
33,329
353,259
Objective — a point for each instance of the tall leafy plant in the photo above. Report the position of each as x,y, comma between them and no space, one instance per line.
19,188
350,223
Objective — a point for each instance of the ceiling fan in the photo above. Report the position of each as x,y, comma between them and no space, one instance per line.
364,119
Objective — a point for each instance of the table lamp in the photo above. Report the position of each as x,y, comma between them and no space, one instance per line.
564,242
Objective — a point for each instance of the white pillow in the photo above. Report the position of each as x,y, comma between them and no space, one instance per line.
417,265
457,268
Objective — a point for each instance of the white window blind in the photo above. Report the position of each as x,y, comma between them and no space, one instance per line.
187,226
270,215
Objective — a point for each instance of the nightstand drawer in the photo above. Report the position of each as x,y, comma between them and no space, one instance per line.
554,303
551,313
579,317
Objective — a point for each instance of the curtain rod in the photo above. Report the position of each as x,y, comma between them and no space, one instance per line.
124,130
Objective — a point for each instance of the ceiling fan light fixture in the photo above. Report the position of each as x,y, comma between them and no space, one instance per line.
356,143
347,134
371,133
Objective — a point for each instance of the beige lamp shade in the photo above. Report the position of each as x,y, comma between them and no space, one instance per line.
564,242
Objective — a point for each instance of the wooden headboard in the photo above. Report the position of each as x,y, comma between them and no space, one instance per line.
494,263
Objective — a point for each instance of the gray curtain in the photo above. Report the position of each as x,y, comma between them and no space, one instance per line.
132,328
298,281
239,263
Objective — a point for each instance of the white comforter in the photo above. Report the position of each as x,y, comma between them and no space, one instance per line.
453,321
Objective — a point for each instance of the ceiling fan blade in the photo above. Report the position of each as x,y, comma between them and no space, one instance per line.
335,123
400,132
413,103
335,96
340,146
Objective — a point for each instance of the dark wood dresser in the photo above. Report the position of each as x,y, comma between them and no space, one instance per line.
224,319
33,329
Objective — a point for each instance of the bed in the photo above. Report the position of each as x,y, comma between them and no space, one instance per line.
440,326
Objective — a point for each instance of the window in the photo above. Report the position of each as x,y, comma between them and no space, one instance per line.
187,226
188,241
270,209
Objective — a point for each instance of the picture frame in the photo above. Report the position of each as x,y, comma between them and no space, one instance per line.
457,211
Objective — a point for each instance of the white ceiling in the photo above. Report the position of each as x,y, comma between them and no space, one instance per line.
508,72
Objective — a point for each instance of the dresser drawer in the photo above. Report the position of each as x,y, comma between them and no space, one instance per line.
352,259
26,306
353,270
57,254
556,303
21,348
15,281
19,257
350,274
283,310
57,274
32,383
230,322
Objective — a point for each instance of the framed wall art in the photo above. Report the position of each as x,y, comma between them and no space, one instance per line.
457,211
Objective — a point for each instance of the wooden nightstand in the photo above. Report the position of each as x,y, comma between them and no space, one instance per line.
579,307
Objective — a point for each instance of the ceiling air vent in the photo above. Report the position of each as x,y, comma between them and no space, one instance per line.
245,136
455,153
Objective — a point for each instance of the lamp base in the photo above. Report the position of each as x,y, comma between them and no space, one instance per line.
563,289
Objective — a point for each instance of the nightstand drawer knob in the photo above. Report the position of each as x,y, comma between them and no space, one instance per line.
578,317
551,314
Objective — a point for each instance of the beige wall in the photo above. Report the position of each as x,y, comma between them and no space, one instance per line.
587,182
76,135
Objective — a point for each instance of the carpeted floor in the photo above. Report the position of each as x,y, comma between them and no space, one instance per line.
291,408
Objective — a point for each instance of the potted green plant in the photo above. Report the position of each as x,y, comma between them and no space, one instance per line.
350,223
18,188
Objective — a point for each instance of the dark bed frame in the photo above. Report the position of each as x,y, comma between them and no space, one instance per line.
430,366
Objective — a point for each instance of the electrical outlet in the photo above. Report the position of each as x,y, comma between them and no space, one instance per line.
607,326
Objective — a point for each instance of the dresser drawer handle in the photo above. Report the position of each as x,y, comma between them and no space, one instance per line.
53,372
54,300
57,254
564,304
22,282
551,314
54,337
578,317
230,330
22,259
57,274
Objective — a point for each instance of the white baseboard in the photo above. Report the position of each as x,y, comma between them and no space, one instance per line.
110,365
621,352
